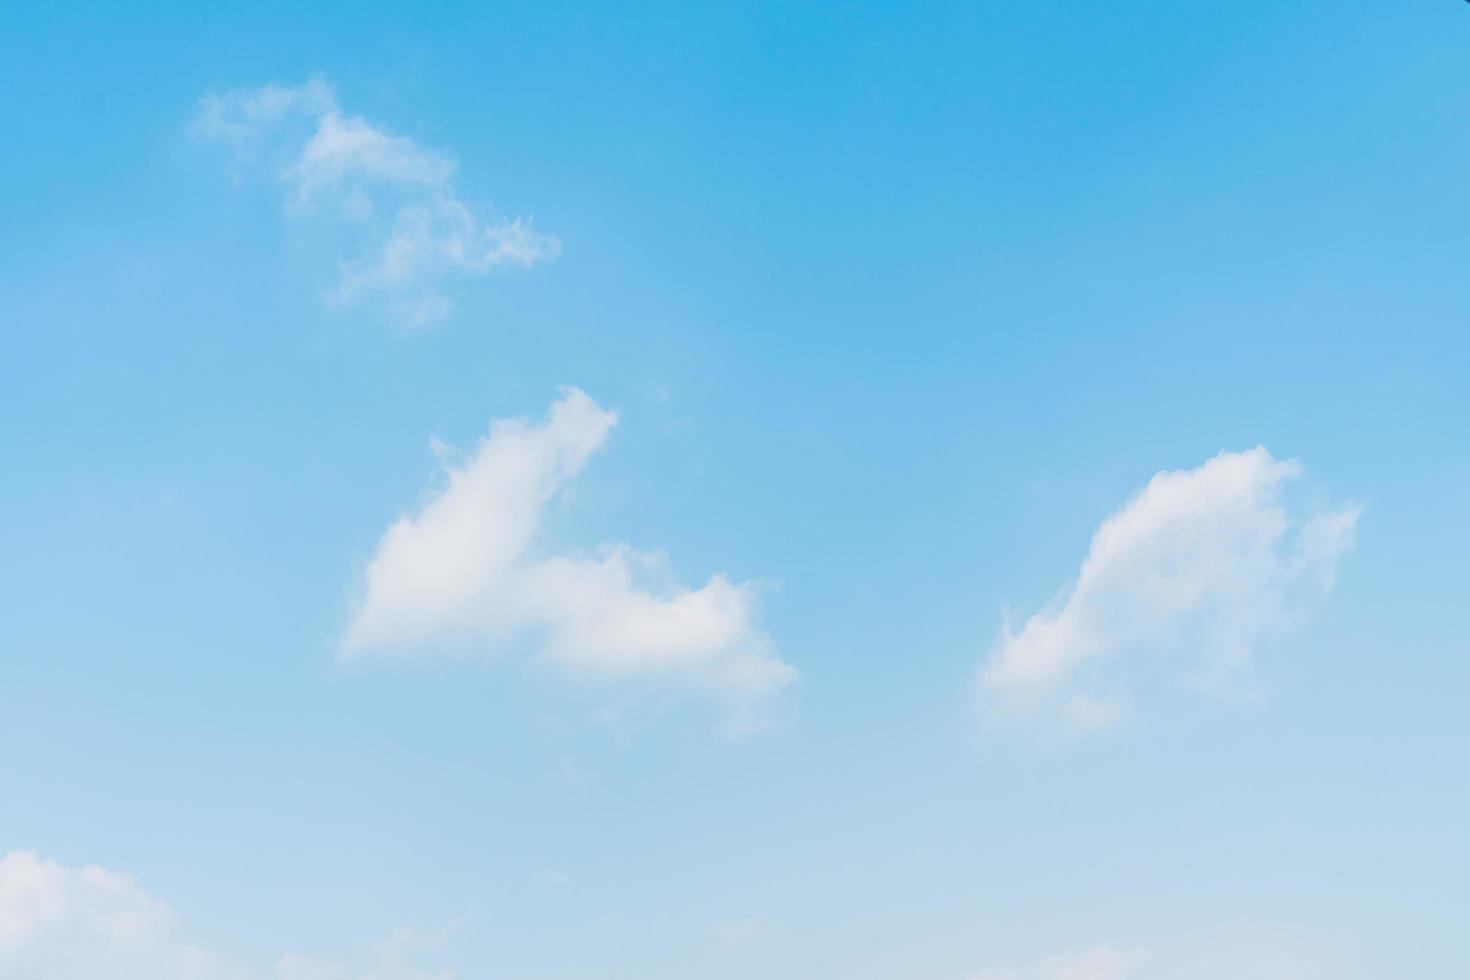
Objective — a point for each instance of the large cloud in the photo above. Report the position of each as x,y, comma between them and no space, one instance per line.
390,201
463,569
63,923
1202,563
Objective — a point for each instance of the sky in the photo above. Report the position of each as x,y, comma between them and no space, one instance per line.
535,491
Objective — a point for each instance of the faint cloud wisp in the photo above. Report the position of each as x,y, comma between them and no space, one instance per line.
388,202
66,923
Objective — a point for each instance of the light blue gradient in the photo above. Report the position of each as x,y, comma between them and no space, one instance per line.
896,302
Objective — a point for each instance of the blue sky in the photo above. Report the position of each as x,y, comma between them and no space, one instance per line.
523,492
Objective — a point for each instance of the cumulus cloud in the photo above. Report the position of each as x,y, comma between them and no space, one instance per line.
64,923
391,202
463,568
79,924
1202,563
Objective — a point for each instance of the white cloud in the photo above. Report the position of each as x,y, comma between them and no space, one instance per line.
244,118
63,923
393,200
349,149
463,569
1203,563
81,924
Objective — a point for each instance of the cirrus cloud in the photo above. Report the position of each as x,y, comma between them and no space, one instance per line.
390,202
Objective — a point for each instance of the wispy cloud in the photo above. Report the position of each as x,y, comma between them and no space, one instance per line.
393,203
65,923
1201,564
462,569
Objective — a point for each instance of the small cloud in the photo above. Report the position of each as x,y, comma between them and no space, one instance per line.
463,569
65,923
1203,563
392,202
408,940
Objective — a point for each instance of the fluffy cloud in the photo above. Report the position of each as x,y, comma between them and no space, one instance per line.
80,924
389,200
1203,562
1100,963
462,569
65,923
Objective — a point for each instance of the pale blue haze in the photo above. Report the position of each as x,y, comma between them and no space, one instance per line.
896,303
